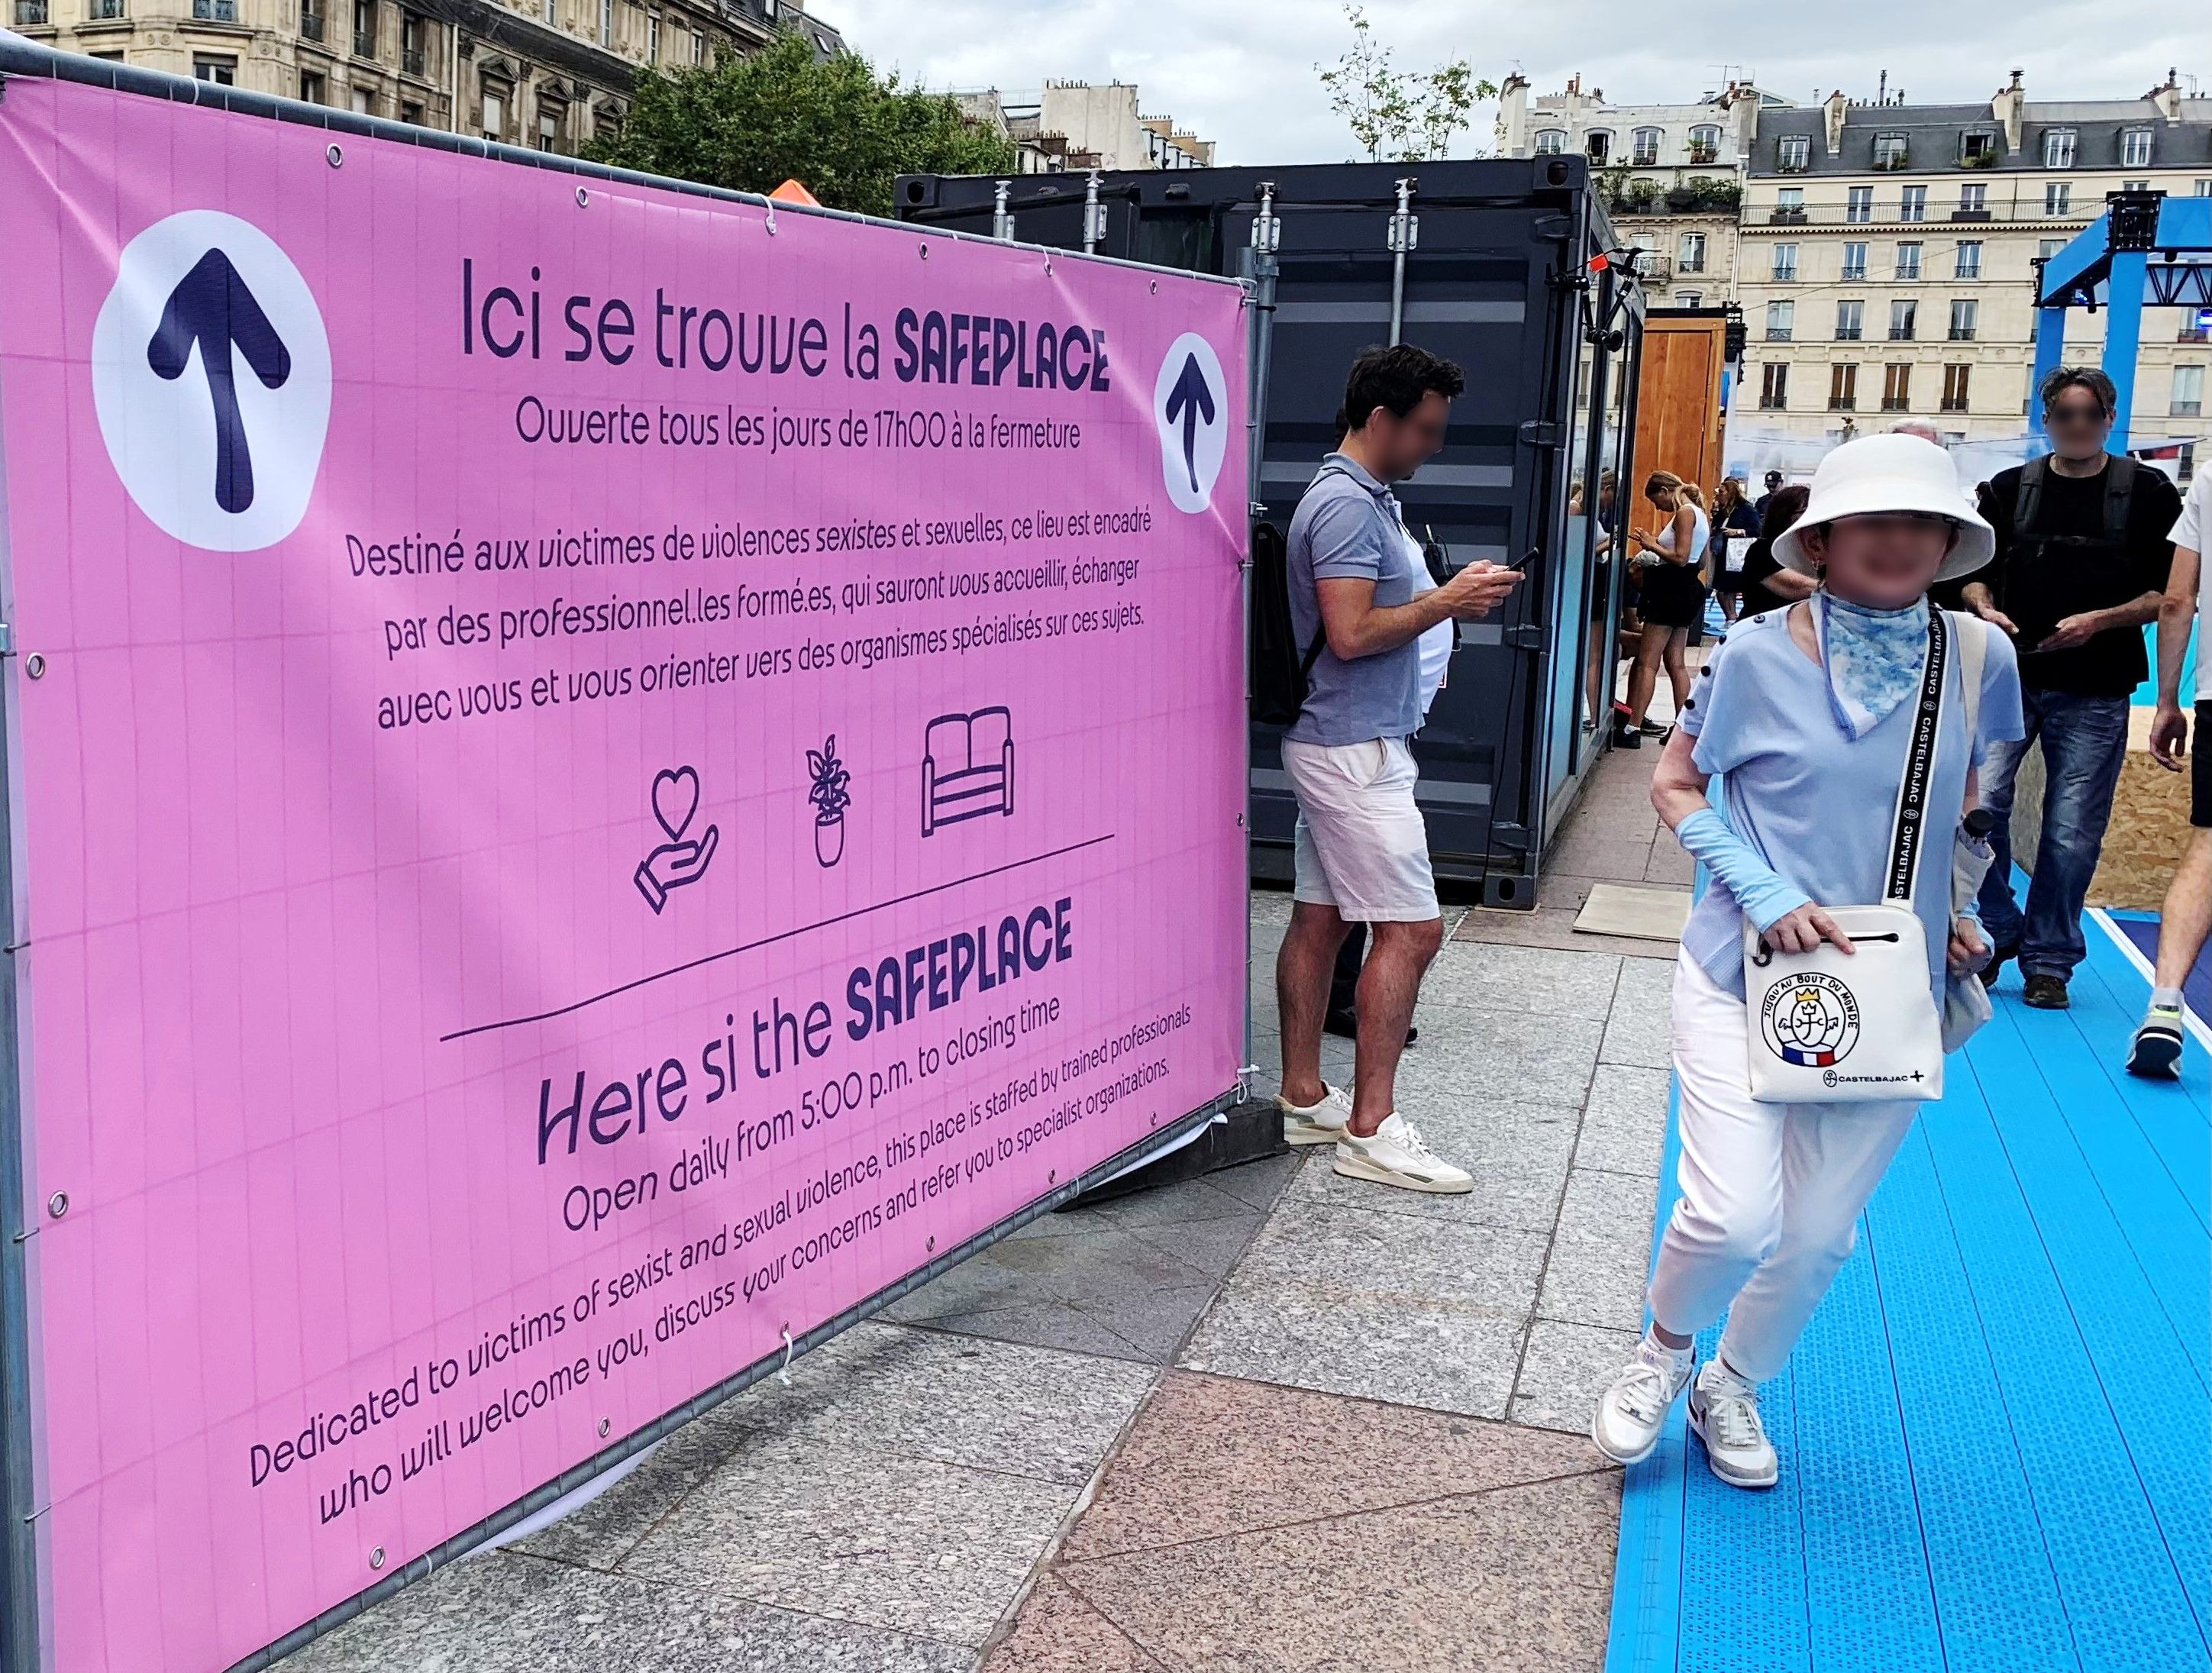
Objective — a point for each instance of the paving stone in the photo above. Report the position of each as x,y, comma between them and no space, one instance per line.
510,1614
599,1532
1186,1200
1055,1325
1566,1369
1210,1456
1624,1122
1492,1056
1258,1185
1518,1154
898,1543
1637,1030
1487,977
1619,858
1600,1258
1058,1632
1210,1246
1554,927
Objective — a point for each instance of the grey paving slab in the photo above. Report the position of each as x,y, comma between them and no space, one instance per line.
1098,1260
1210,1246
887,1540
1257,1184
1551,926
1625,1121
1049,1324
1670,864
1600,1257
513,1614
1564,1370
597,1534
1619,858
1491,1053
1387,1306
1636,1032
1152,1322
993,1405
1487,977
1518,1154
1186,1200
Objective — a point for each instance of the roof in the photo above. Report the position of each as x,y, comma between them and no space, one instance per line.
1932,134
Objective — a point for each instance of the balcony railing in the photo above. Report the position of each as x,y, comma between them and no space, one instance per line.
1787,217
1843,404
364,43
1702,154
1952,404
411,60
1962,334
1858,272
1896,404
1892,163
311,26
30,12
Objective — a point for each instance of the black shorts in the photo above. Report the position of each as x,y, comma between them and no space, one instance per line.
2200,782
1673,596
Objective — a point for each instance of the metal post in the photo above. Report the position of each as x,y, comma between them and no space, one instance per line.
1405,233
1002,218
1266,239
1094,216
2049,351
2123,337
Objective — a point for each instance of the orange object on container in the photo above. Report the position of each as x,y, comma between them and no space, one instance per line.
792,192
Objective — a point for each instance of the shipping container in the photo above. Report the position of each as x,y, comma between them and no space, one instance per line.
1510,268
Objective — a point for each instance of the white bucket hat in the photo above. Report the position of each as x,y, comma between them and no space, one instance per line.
1890,473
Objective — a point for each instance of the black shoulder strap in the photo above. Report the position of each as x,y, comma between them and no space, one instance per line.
2030,498
1313,654
1911,826
2119,487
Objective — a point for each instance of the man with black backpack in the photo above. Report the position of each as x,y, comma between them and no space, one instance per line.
1362,852
2080,567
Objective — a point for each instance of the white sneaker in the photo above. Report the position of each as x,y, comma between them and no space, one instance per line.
1724,1411
1397,1155
1632,1413
1317,1123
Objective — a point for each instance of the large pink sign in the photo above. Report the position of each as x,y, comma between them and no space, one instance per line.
606,775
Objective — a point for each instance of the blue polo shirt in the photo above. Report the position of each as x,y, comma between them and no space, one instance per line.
1347,526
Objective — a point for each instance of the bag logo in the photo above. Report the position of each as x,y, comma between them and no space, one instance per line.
1810,1020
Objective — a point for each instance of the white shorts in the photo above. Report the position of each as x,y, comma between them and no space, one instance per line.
1362,846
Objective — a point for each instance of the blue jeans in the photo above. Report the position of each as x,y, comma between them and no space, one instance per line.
2085,739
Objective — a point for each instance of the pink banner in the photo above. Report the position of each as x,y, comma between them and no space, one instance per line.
605,773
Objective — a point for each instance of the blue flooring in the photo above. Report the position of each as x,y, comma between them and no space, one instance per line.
2141,930
1996,1456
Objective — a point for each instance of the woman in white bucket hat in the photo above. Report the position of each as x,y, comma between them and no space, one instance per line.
1806,714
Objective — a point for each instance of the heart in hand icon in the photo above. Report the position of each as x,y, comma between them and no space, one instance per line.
679,861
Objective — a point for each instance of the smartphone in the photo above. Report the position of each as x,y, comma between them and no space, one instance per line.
1524,560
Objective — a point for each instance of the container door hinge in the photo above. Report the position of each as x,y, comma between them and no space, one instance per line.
1506,834
1559,228
1524,637
1543,433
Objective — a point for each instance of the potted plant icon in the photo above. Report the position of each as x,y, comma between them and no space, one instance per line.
830,798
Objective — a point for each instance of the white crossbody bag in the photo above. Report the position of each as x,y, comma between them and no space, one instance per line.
1832,1027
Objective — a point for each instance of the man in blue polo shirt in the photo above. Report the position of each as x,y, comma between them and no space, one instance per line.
1362,850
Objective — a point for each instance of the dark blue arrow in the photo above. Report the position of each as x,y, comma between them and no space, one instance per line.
211,306
1193,401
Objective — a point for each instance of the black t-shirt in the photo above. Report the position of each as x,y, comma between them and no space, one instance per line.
2037,583
1758,563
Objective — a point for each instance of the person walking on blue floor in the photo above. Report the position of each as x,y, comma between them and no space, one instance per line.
2081,565
1808,715
2186,917
1361,853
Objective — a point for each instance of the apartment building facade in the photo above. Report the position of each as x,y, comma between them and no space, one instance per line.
1076,125
1887,258
549,75
1672,174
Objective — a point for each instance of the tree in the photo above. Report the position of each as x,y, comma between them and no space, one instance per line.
1411,117
749,122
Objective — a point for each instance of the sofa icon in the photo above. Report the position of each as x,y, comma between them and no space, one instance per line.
967,768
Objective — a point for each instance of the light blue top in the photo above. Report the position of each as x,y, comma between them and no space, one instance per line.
1348,525
1818,805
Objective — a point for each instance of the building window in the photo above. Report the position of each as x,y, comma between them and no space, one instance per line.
364,101
2057,197
103,11
215,11
1912,203
2059,149
1908,259
364,28
1785,264
607,22
495,113
548,125
1858,204
1974,199
1955,387
1774,386
30,13
1849,318
1789,203
1551,142
2194,328
1890,151
1854,261
1794,154
1844,387
1597,144
652,37
410,43
311,19
2205,189
1967,263
1781,320
223,72
311,86
1965,312
2048,247
698,47
2188,392
1690,254
553,11
411,114
1696,299
1902,314
1644,143
2135,148
2135,185
1978,151
1897,387
1705,144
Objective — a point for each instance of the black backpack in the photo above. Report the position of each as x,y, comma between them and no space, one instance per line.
1280,672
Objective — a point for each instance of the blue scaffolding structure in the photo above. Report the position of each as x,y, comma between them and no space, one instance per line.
2146,248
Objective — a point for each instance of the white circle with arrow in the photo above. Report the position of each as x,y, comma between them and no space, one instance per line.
1190,405
211,376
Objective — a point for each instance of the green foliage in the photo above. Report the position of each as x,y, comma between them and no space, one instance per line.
1410,117
749,122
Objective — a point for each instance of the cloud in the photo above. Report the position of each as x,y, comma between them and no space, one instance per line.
1241,72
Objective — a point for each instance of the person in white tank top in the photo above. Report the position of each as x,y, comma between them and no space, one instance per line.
1671,599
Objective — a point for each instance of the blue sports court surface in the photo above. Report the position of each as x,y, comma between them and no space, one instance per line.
1996,1453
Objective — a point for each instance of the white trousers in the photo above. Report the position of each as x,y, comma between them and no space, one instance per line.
1769,1192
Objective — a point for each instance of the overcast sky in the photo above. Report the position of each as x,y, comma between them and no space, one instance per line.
1241,72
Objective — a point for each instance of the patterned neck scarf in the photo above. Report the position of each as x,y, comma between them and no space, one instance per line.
1873,658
